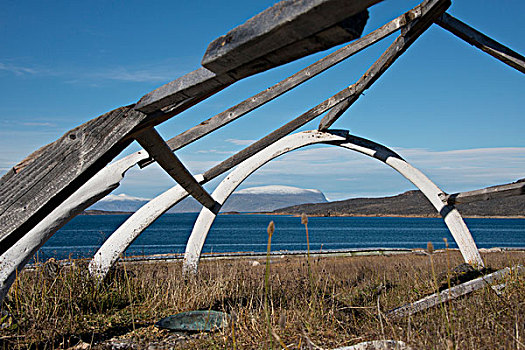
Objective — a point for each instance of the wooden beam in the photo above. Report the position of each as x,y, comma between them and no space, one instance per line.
485,194
430,11
336,112
291,82
285,32
38,184
452,293
200,82
482,42
153,143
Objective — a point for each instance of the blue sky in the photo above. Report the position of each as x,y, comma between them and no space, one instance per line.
451,110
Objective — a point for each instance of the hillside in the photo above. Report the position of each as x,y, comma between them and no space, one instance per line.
411,203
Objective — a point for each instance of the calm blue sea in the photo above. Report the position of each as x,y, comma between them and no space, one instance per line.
247,233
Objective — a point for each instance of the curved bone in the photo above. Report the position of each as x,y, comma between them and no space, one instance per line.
121,239
451,216
108,254
105,181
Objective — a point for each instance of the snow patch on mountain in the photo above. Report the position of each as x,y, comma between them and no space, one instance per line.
277,189
122,197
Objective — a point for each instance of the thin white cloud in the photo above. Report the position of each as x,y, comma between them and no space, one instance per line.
240,142
150,73
17,69
137,75
39,124
215,151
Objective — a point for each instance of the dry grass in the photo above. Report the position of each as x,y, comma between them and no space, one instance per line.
345,304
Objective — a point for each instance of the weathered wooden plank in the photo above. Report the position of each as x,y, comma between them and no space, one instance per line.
105,181
153,143
291,82
430,9
284,24
482,42
452,293
336,112
254,46
485,194
199,82
328,38
47,177
39,183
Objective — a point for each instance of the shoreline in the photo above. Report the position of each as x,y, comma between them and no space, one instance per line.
385,216
281,254
100,212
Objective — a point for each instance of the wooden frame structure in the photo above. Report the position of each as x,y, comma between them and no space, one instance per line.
43,192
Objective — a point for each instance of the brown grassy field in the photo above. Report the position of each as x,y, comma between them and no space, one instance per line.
342,303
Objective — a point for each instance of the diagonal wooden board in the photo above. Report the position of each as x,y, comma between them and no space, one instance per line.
34,187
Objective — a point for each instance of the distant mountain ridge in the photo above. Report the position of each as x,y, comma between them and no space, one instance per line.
410,203
254,199
295,201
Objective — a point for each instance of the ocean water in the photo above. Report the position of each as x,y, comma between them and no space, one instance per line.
82,236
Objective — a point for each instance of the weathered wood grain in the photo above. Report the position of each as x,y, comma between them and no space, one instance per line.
192,85
430,11
482,42
485,194
285,23
46,178
342,32
452,293
153,143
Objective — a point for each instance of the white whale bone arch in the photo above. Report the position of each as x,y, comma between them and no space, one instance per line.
452,218
104,182
120,240
116,244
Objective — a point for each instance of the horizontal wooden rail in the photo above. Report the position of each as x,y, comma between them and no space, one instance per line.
482,42
485,194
